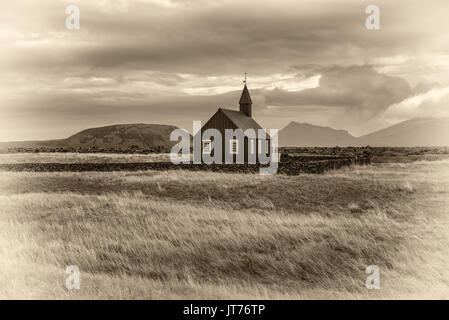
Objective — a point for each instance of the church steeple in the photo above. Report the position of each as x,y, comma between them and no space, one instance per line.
245,102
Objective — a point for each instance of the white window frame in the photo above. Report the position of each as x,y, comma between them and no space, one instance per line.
231,144
267,145
207,141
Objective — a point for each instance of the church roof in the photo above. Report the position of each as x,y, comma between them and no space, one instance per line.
245,98
241,120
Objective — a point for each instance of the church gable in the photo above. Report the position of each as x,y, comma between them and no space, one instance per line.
234,119
219,121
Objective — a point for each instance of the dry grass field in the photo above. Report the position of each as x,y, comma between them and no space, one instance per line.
73,157
195,235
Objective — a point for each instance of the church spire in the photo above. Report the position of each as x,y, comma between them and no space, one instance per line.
245,101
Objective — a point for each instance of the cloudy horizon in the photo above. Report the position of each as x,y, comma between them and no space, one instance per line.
171,62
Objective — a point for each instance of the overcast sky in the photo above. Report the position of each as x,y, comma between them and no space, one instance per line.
171,62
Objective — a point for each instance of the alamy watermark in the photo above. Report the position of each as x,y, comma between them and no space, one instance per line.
373,280
372,22
72,21
72,282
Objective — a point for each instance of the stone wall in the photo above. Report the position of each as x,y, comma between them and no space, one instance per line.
289,166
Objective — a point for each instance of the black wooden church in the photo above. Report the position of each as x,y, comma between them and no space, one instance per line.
236,119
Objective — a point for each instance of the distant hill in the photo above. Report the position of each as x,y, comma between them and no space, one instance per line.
307,135
118,137
410,133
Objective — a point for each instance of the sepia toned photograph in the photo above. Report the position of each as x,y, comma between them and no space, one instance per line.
215,150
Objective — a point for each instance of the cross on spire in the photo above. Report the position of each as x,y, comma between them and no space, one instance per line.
244,81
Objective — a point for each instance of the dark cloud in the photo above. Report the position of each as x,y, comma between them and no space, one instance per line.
219,38
359,90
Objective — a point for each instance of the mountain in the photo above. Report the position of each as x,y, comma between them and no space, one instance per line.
307,135
409,133
117,137
414,132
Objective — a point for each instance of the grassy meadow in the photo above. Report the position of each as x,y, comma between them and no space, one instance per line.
197,235
73,157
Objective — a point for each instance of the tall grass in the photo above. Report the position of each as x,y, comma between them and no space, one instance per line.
214,235
74,157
